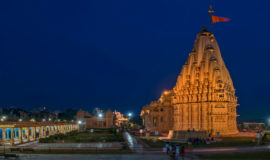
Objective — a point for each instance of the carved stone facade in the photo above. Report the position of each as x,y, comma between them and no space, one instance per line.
203,97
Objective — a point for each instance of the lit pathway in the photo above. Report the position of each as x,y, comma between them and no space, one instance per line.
133,143
139,149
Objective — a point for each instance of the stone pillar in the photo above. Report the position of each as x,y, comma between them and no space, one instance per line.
20,135
50,130
27,134
4,135
185,116
40,132
34,133
12,136
43,131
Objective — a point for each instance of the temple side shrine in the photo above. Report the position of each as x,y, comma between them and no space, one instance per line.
13,133
203,98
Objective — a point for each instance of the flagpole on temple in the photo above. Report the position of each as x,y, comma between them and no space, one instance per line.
211,11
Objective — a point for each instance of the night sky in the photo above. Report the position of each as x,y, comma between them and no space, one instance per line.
122,54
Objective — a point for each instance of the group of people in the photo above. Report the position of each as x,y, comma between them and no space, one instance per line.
196,141
175,150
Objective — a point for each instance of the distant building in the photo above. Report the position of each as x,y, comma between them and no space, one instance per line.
99,120
120,119
251,125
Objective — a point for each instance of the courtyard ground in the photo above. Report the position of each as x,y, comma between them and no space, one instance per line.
92,157
257,155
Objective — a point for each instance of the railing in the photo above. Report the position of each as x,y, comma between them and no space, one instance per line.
52,150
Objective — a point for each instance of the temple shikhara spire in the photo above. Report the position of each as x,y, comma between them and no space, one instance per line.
203,98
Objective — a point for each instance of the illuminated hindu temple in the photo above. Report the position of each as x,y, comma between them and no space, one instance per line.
203,98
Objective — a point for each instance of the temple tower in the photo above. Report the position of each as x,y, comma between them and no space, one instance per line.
203,98
204,95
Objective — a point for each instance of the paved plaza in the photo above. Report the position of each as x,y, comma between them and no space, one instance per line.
92,157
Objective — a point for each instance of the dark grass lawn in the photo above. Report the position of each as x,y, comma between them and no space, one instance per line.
230,142
99,135
258,155
154,144
226,142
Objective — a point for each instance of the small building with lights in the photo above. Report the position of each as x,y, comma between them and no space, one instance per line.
101,120
120,119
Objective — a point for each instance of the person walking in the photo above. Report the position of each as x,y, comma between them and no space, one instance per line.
173,151
182,152
167,147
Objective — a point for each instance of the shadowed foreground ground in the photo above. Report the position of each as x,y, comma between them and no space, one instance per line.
258,155
92,157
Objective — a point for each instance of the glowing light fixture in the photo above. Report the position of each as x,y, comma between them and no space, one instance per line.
100,115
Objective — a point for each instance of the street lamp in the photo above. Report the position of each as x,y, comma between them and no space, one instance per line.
3,118
100,115
129,115
43,119
79,122
20,120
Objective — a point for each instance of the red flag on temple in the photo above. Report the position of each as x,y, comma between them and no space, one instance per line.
216,19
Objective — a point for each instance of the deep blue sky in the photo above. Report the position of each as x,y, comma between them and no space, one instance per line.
123,53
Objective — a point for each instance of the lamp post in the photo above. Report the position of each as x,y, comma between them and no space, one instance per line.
100,115
129,115
81,124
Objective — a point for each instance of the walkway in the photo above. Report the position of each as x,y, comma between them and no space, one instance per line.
91,156
133,143
139,148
